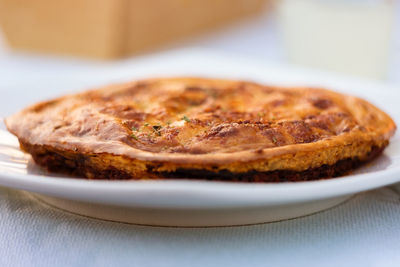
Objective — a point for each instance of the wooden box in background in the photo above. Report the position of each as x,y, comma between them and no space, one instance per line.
112,28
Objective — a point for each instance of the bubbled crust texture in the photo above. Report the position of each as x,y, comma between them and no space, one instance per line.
150,127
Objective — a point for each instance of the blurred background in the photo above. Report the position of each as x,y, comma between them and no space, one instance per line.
358,38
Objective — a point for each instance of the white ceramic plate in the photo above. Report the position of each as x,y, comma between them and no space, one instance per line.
193,203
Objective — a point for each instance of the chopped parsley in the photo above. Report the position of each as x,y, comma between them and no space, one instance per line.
146,124
185,118
134,137
135,129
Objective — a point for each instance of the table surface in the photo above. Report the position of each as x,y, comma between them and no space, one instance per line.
364,231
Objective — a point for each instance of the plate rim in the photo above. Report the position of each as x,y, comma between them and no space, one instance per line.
130,193
199,193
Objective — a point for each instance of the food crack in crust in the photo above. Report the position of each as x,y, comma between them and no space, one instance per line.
203,129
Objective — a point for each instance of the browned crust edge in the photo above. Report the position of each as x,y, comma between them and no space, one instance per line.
55,161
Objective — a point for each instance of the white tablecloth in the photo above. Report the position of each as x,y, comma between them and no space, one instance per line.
364,231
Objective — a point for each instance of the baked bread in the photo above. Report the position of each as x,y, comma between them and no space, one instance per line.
203,129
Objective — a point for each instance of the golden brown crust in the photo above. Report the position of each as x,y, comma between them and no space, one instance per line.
206,124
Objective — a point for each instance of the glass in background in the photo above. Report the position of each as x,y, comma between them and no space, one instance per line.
347,36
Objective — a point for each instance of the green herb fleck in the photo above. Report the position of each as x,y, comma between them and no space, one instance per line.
146,124
186,118
274,139
135,129
134,136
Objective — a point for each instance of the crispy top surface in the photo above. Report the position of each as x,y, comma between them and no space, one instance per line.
195,119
